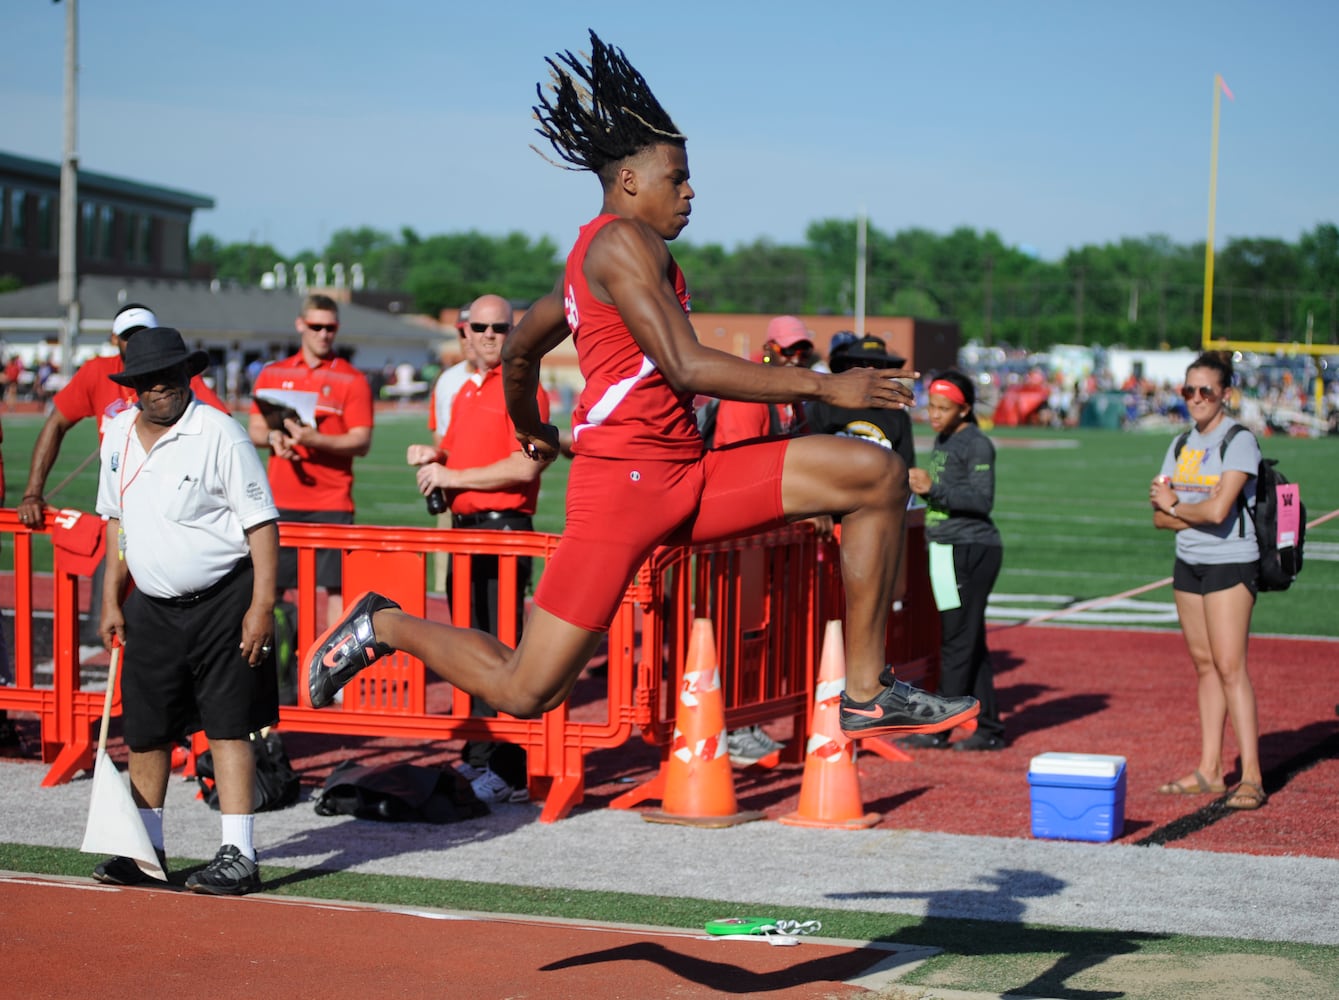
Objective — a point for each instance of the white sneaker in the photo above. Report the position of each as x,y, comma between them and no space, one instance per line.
492,787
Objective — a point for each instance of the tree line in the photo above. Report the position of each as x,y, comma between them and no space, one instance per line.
1140,293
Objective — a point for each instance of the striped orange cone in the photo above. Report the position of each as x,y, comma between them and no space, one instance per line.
830,789
699,783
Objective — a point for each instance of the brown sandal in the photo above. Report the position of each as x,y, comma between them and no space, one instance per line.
1247,795
1200,787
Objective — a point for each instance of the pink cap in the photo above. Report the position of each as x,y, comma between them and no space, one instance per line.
787,331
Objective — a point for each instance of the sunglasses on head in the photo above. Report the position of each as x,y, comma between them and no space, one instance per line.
495,327
1205,392
322,327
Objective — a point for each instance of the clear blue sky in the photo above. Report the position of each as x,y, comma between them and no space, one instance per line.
1055,124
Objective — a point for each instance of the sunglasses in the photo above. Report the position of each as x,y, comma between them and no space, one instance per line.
495,327
1207,392
322,327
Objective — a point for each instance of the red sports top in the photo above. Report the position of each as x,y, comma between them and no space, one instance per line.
481,433
627,409
320,480
91,392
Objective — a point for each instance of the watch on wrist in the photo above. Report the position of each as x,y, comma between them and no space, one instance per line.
1172,509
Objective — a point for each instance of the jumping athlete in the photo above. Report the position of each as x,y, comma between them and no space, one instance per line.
640,476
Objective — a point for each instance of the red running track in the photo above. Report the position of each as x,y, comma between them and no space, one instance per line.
73,937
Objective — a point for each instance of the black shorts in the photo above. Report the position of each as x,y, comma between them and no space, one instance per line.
183,671
329,562
1192,578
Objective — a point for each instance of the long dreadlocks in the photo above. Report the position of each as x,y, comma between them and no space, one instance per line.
601,111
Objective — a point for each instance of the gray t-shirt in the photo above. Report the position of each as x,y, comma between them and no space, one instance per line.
1195,474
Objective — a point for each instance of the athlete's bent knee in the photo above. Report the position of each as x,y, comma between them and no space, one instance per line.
886,474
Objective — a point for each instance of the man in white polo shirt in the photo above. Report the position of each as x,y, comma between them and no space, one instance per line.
191,519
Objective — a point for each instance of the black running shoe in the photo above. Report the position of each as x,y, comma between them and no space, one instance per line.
981,741
124,871
231,873
347,647
900,709
924,741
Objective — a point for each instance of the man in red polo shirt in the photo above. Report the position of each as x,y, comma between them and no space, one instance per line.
311,467
92,393
490,484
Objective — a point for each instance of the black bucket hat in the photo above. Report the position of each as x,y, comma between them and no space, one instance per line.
155,350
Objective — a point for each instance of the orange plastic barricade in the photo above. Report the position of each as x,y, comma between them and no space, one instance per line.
764,594
389,698
67,713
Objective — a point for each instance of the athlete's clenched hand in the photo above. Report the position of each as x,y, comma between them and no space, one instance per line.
542,446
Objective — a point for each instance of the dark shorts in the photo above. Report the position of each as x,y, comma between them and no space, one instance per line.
329,562
619,510
182,670
1191,578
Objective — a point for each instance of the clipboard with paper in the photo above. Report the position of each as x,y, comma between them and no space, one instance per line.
278,405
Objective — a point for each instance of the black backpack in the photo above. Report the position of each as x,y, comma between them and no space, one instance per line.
399,793
1279,564
277,784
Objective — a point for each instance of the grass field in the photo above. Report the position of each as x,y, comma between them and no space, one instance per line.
1072,506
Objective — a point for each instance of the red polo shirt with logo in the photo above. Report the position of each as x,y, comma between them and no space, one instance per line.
319,480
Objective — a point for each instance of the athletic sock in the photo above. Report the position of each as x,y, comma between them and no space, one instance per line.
237,830
153,826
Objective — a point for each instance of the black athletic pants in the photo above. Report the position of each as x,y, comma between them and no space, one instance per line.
964,659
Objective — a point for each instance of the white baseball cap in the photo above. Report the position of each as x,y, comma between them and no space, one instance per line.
133,317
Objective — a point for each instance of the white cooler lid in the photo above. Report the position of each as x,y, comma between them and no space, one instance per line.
1087,765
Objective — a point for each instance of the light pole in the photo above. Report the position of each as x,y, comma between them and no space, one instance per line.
1206,324
68,285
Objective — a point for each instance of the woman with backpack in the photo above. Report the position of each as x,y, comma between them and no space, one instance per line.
1201,494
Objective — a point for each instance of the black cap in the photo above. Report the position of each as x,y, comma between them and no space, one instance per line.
867,352
158,349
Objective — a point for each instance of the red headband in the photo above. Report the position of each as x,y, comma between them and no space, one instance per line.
943,387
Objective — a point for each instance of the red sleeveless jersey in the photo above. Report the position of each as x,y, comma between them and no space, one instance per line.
627,408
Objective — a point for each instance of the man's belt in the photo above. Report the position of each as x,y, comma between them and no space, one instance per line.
488,517
189,600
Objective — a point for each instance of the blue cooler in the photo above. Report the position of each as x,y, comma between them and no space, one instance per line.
1077,796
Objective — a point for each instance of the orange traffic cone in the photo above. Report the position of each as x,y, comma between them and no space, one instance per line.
699,785
830,789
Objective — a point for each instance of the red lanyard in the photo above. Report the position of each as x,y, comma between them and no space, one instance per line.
125,460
